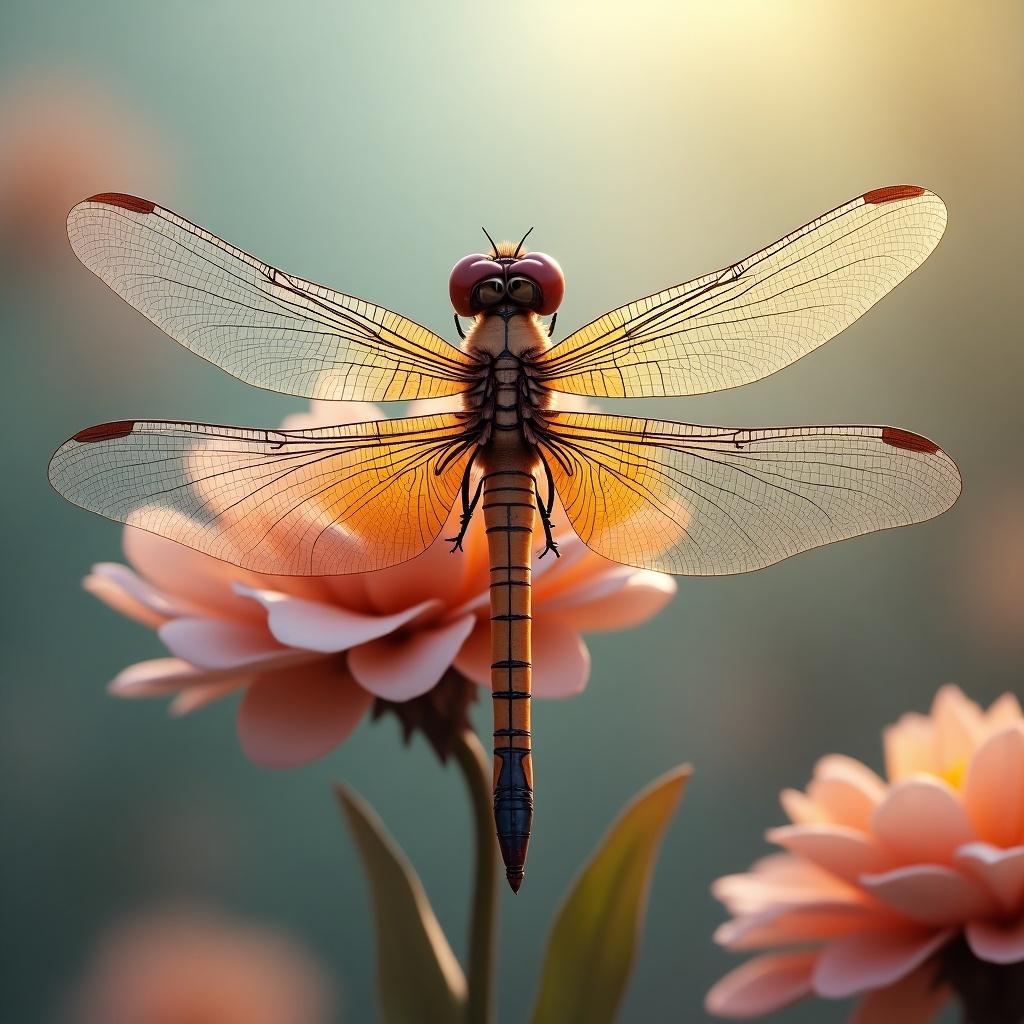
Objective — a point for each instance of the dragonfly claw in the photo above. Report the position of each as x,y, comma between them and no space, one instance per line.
550,546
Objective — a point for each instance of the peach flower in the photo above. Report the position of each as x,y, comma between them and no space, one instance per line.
311,654
190,968
65,137
992,582
884,881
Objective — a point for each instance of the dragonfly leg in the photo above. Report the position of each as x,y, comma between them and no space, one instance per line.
544,509
468,505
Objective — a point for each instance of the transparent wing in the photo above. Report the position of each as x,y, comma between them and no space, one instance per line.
317,502
743,323
707,501
265,327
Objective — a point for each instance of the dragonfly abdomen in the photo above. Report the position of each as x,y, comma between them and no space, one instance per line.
509,510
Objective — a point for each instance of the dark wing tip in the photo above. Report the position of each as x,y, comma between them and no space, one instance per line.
105,432
125,202
908,440
891,193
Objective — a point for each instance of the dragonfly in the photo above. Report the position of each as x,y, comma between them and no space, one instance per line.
657,494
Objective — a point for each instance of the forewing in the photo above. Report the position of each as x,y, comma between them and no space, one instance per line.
706,501
745,322
266,327
314,502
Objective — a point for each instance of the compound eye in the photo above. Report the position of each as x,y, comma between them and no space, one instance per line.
523,291
489,292
547,275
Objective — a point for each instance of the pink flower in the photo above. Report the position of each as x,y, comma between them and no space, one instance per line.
311,654
880,876
186,968
66,138
992,581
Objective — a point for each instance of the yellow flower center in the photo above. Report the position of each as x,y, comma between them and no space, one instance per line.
955,773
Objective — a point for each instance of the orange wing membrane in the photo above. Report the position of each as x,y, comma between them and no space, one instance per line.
704,501
315,502
743,323
266,327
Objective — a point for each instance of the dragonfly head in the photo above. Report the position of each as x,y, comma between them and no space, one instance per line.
506,278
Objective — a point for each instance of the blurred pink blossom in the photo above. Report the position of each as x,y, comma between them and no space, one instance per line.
191,968
311,654
65,138
992,586
880,876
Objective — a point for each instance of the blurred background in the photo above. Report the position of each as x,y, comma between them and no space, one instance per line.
363,145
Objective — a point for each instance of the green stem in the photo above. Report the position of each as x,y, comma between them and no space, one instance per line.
473,762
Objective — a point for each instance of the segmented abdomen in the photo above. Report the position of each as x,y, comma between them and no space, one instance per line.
509,509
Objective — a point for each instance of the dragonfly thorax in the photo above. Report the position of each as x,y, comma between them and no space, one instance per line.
508,396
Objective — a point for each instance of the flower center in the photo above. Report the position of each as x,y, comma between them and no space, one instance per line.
955,773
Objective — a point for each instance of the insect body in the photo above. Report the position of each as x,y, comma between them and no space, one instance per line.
506,412
681,498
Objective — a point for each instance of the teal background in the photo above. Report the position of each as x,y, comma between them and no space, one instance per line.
363,145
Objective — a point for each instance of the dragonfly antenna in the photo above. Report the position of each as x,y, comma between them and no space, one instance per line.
491,240
515,255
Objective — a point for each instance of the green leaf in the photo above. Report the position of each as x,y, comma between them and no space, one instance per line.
594,939
418,977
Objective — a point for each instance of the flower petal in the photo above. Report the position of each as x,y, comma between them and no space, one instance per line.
402,666
218,643
1000,871
994,788
782,879
130,594
196,697
843,767
785,869
783,925
621,600
997,943
846,791
762,985
314,626
286,721
561,661
931,894
915,999
842,802
114,597
921,820
474,657
801,809
870,960
845,852
959,724
188,575
160,676
1005,711
436,574
911,746
575,561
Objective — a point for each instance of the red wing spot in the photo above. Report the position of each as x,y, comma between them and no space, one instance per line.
105,432
908,440
892,193
132,203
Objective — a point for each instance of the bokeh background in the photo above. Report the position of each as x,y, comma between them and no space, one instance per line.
363,145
